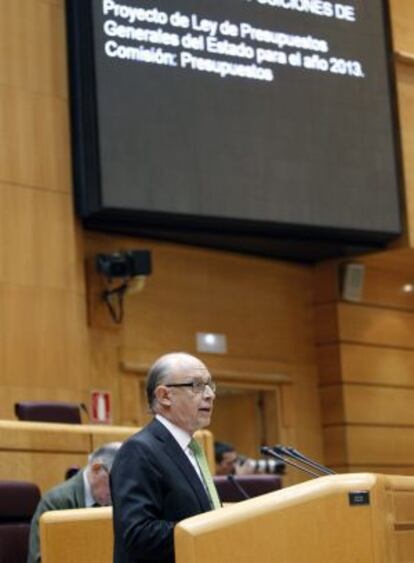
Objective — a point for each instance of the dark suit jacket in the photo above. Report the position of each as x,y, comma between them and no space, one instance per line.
154,486
70,494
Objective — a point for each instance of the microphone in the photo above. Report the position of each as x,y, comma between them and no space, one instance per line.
292,452
268,451
237,485
84,408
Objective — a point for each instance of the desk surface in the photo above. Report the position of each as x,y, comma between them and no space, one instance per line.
42,451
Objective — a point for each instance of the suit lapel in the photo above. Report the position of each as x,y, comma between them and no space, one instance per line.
178,457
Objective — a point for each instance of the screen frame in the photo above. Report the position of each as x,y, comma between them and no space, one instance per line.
305,243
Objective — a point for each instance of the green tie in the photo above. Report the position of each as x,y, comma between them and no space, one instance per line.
205,472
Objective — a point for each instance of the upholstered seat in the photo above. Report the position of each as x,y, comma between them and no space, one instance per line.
48,411
18,501
253,485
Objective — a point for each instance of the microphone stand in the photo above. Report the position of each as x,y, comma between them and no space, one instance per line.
271,453
237,485
295,454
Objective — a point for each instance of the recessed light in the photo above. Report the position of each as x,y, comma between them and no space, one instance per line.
408,288
212,343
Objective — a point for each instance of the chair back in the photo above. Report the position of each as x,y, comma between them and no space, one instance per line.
48,411
71,471
18,502
252,485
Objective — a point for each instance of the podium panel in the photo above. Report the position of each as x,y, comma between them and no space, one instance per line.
82,535
353,518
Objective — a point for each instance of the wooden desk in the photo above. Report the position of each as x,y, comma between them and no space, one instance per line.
41,452
313,522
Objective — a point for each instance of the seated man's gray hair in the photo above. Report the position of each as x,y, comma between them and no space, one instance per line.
105,454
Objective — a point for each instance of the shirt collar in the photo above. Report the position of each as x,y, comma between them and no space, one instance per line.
183,438
89,500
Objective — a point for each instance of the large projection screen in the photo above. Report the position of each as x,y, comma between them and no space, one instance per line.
265,118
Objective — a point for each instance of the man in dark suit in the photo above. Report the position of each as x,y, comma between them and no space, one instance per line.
89,487
159,476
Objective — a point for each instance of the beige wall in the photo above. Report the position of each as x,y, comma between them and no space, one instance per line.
48,350
366,360
366,349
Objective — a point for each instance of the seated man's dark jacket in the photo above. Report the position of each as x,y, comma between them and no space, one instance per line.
154,486
69,494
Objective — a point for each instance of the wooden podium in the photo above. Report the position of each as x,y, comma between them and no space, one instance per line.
350,518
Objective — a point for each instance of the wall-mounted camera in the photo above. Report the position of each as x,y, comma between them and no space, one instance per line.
131,267
127,264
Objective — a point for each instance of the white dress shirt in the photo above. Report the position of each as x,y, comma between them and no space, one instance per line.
183,439
89,500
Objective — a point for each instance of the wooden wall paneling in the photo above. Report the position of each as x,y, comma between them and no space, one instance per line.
131,400
45,469
378,405
41,452
402,17
230,370
330,364
325,281
335,445
19,435
374,405
326,324
32,53
366,373
332,405
104,373
44,344
304,423
236,420
388,445
34,140
101,435
274,426
384,288
34,251
385,274
380,327
210,300
377,365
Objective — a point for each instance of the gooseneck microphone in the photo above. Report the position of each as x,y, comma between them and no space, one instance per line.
270,452
237,485
84,409
295,454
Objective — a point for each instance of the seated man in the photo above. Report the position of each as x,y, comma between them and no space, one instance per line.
225,457
89,487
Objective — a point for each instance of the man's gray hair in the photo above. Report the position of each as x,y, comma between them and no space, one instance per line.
157,374
105,455
163,367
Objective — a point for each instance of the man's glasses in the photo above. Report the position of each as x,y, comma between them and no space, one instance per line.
196,385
